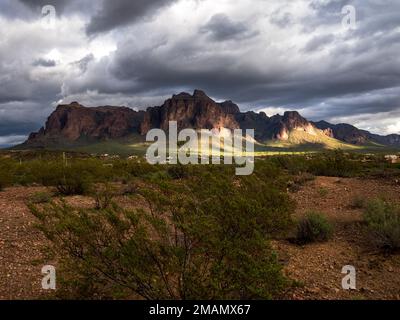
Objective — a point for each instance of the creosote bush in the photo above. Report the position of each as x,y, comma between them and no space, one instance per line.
383,221
314,227
203,237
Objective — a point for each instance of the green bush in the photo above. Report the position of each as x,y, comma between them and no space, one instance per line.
178,171
205,237
383,221
40,197
72,184
314,227
334,164
7,169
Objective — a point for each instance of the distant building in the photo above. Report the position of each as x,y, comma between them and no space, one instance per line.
392,158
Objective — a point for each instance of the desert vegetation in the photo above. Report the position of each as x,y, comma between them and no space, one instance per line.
201,238
188,232
314,227
383,222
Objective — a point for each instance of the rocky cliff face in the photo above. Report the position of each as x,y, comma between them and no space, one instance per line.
74,123
290,121
196,111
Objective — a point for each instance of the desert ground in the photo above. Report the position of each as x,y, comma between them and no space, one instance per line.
316,268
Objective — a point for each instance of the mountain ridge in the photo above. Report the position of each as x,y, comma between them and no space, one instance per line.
74,124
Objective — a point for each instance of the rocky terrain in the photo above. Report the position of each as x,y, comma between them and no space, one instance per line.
75,124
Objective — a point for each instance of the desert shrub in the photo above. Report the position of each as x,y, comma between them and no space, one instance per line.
358,202
156,176
295,165
334,164
7,169
103,195
73,178
304,177
314,227
178,171
206,238
40,197
297,181
72,184
130,188
383,221
139,169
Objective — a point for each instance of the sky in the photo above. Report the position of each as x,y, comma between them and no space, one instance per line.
321,57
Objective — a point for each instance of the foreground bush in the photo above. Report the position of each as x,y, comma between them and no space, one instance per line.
383,221
206,238
314,227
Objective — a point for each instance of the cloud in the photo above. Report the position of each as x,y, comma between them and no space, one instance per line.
8,141
41,62
275,55
221,28
119,13
319,42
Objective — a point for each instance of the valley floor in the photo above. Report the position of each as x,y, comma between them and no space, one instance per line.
315,267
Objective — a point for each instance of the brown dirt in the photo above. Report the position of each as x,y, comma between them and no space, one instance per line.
316,267
21,247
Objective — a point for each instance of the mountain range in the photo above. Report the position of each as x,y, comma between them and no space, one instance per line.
74,125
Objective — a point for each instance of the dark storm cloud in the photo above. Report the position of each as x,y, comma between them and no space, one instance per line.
371,16
117,13
16,128
13,9
14,122
221,27
44,63
296,61
38,4
32,9
349,70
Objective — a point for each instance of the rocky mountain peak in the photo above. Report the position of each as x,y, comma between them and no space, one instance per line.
196,111
293,119
199,94
72,123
